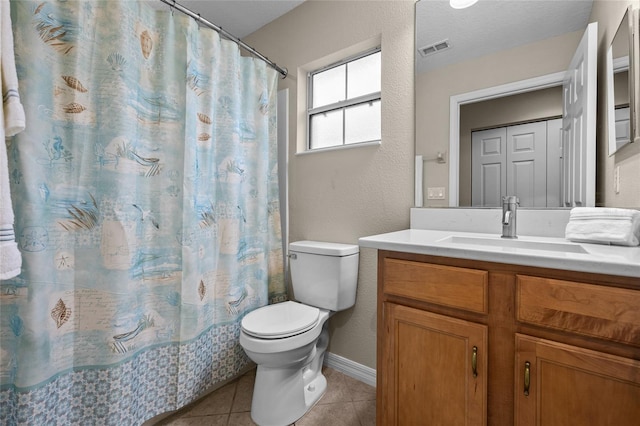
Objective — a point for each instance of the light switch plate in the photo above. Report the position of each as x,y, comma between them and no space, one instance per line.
435,193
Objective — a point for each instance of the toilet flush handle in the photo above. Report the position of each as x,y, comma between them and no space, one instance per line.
293,256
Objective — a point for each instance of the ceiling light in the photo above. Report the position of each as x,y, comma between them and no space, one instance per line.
461,4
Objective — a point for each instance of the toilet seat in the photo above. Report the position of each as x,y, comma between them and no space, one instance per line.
281,320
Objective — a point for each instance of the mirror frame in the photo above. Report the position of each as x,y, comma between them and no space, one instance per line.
632,15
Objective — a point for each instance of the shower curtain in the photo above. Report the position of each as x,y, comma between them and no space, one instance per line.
146,199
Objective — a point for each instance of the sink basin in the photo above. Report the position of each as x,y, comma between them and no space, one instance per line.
515,244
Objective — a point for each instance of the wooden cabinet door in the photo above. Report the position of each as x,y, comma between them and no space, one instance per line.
568,385
434,369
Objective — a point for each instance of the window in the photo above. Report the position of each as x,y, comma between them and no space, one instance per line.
344,102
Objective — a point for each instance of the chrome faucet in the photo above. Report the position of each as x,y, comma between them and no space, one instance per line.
509,210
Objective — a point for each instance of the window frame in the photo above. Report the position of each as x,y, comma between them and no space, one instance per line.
341,105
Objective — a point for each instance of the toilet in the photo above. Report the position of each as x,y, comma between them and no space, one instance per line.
288,340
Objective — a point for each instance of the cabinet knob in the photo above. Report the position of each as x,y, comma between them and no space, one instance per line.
527,377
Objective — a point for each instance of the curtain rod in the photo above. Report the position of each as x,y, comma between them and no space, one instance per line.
173,4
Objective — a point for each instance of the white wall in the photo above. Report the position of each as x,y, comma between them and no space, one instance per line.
346,194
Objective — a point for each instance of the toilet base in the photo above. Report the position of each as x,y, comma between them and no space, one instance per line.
314,391
283,395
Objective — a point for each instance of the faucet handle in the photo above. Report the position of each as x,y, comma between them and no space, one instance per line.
511,199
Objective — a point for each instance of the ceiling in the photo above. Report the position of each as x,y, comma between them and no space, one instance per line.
492,25
238,17
499,24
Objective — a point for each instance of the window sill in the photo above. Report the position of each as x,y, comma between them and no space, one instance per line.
340,147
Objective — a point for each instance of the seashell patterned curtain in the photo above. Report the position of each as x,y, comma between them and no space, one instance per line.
146,200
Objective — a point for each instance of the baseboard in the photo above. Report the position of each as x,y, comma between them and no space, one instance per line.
351,368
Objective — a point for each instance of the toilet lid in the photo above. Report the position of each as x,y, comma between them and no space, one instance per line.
280,320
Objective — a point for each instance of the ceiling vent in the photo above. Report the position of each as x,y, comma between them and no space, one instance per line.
434,48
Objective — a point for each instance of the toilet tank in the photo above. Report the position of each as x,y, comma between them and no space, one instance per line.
324,275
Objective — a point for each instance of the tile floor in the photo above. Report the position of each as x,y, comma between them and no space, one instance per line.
347,402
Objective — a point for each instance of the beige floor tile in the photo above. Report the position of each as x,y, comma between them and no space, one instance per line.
251,372
337,390
216,420
244,394
241,419
358,390
338,414
218,402
366,411
330,372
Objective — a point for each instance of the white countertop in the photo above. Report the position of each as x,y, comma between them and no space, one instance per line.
545,252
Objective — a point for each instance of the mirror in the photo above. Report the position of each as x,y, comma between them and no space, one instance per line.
620,87
492,49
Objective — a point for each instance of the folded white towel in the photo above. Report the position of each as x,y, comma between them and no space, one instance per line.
604,226
13,122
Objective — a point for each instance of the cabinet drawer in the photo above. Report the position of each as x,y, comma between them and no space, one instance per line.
587,309
445,285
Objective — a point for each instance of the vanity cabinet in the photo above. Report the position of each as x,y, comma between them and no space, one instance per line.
464,342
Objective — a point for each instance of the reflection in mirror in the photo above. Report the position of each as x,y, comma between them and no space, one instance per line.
524,120
618,117
474,55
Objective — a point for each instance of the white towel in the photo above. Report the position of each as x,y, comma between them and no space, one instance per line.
604,226
13,122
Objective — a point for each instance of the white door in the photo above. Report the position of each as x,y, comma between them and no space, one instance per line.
527,163
579,123
523,160
488,159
